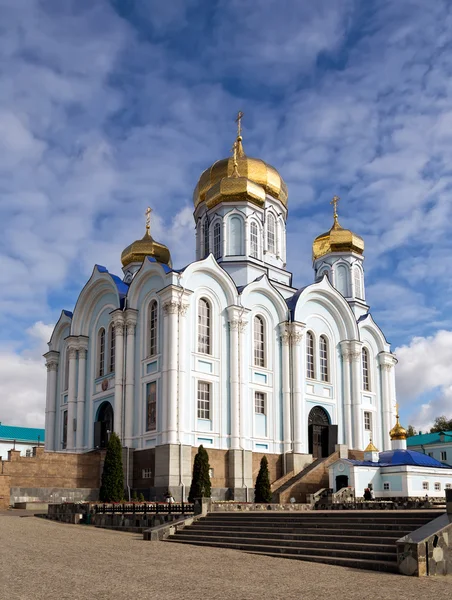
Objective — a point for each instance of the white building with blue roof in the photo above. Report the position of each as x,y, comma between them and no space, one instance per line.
13,437
397,473
224,352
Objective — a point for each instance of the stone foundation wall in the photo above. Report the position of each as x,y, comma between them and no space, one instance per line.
275,465
5,483
143,459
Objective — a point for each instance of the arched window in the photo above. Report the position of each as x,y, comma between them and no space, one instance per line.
254,241
101,353
217,240
204,331
310,355
205,235
365,359
111,362
271,234
259,342
152,324
323,347
341,280
235,236
66,370
357,278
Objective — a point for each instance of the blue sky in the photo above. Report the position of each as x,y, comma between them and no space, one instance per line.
109,106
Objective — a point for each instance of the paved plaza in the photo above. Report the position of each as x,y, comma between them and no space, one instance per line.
43,560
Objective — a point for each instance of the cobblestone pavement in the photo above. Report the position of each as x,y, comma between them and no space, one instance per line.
44,560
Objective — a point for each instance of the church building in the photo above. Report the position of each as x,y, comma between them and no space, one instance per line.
223,352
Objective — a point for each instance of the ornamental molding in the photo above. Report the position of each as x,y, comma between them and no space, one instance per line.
119,327
237,325
52,365
82,352
386,366
351,355
285,336
72,352
130,326
171,307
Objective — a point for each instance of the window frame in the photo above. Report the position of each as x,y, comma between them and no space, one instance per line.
271,234
151,407
260,403
204,404
202,344
254,240
259,342
357,282
205,238
365,370
310,355
153,323
386,486
367,420
443,454
437,486
324,359
112,348
101,338
217,250
64,428
66,370
425,486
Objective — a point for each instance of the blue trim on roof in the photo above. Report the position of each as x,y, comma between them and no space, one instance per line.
166,268
67,313
21,434
363,317
121,286
292,301
395,458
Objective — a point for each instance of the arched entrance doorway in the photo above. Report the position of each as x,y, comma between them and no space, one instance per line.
341,482
322,435
103,426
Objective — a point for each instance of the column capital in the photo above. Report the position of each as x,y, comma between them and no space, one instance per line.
284,333
52,359
82,352
351,350
52,365
235,317
237,324
171,307
117,316
387,360
297,330
131,317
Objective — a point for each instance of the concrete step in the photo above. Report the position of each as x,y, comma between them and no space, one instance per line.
322,525
379,540
252,545
331,517
362,546
317,532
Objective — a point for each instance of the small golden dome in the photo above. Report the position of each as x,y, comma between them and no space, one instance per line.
371,448
257,179
398,432
337,239
147,246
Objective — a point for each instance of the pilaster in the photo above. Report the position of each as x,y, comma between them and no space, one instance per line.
52,359
72,393
236,327
298,367
347,401
119,324
387,361
285,333
130,322
81,387
355,350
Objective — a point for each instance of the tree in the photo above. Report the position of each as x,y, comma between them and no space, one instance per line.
441,424
112,485
411,431
262,490
200,483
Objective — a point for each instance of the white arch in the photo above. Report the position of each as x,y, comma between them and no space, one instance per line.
147,270
210,267
56,338
263,286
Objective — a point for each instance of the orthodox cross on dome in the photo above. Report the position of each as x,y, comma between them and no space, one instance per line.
148,219
239,123
238,141
334,201
235,171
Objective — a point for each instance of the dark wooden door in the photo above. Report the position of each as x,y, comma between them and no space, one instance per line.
341,482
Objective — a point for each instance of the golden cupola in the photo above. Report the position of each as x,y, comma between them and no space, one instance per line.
137,251
398,432
337,239
239,177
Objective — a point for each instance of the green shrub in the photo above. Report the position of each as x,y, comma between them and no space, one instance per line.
200,483
262,490
112,485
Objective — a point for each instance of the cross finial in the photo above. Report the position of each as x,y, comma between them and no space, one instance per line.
239,123
397,409
235,172
334,201
148,219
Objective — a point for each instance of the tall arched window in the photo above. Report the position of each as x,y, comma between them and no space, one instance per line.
341,280
217,240
66,370
111,361
357,278
235,241
271,234
101,353
366,379
204,323
259,342
323,347
205,236
254,241
310,355
152,324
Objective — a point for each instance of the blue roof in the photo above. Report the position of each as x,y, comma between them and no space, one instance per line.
121,286
68,313
393,458
429,438
166,268
21,434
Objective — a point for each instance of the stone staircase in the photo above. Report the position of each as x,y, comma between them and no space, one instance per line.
365,540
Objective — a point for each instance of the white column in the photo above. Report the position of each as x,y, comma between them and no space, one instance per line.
51,391
387,362
182,384
234,382
297,362
285,381
131,320
81,386
346,384
118,320
71,398
171,309
356,376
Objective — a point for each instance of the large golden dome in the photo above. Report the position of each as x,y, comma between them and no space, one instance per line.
337,239
239,176
147,246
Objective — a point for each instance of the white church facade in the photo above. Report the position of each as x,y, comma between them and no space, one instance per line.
224,352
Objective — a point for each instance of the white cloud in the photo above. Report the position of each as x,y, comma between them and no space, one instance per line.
424,378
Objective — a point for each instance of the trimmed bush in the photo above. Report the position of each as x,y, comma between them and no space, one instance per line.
262,490
200,483
112,486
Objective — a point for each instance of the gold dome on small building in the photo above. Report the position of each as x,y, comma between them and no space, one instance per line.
239,177
147,246
337,239
371,447
398,432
